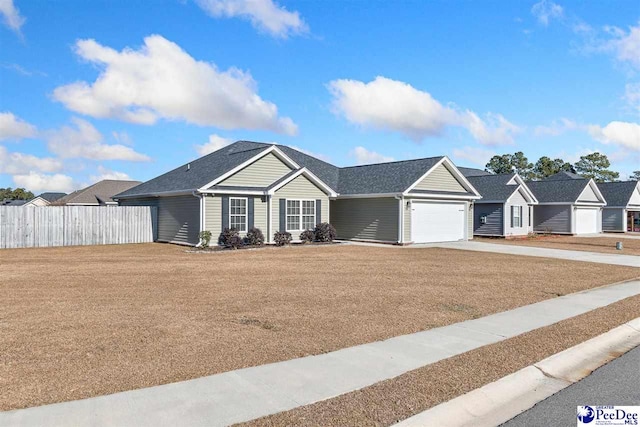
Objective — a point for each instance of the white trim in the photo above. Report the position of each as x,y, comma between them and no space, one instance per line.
596,190
243,192
519,209
273,149
451,168
310,176
368,196
441,196
246,213
401,219
158,194
523,185
300,215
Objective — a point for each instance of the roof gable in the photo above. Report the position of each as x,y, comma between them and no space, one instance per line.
440,179
588,195
620,194
260,173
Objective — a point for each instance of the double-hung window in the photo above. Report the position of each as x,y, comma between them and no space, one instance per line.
238,213
301,214
516,212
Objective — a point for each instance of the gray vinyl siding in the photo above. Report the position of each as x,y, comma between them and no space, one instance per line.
145,201
213,214
614,219
299,188
261,173
366,219
517,199
588,195
552,218
179,219
494,224
440,179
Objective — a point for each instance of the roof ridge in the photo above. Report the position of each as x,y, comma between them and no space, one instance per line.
395,161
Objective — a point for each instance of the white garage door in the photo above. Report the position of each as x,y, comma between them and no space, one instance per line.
586,221
437,222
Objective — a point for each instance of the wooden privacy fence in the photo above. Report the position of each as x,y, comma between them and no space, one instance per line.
32,227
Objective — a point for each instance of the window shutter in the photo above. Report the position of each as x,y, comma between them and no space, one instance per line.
225,212
318,211
249,213
512,212
283,215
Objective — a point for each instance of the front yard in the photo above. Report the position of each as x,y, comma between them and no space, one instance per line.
604,244
84,321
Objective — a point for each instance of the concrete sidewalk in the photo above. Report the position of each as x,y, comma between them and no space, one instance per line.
246,394
601,258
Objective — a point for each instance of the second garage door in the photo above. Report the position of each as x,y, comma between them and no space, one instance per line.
586,221
437,222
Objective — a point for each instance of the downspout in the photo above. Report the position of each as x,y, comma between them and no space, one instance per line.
201,197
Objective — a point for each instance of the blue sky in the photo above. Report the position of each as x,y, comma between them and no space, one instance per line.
120,89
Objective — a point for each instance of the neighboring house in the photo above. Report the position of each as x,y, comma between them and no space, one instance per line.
277,188
567,204
45,199
12,202
622,212
99,194
506,207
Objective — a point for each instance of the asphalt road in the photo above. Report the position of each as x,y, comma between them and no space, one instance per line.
616,383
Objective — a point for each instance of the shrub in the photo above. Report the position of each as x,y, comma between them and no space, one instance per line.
230,238
254,237
307,236
324,232
282,238
205,239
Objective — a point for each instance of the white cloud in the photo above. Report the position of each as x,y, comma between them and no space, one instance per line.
11,15
38,183
393,105
85,141
364,156
12,127
122,138
632,96
546,10
625,134
162,81
264,15
104,173
19,163
215,143
625,45
475,156
557,127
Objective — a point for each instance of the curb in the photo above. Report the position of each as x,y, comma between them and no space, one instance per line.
499,401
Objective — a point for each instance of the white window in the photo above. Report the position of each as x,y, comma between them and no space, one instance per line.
516,212
301,214
238,213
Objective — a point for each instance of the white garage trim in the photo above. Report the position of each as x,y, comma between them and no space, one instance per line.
440,221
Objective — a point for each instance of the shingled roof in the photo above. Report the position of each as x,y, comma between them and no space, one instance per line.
617,193
51,197
99,193
391,177
494,188
549,191
469,172
563,176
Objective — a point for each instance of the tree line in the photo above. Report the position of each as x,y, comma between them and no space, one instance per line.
17,194
594,165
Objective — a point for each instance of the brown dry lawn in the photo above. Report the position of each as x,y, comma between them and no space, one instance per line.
589,244
85,321
388,402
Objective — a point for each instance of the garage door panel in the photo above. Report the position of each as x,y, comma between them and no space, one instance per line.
586,221
437,222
